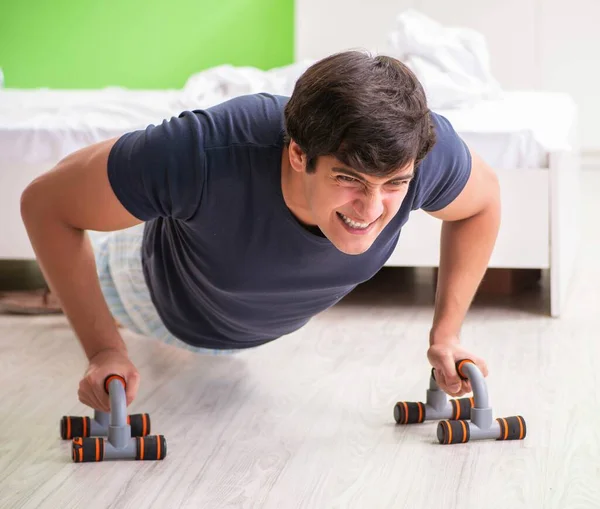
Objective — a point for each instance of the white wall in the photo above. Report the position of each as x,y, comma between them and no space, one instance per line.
541,44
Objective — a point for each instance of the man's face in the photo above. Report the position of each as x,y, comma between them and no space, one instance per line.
351,208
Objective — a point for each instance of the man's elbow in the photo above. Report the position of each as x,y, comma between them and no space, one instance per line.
29,200
35,199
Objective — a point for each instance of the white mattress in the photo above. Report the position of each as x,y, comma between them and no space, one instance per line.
519,130
39,127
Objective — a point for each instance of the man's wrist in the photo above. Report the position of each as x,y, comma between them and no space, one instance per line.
439,336
116,346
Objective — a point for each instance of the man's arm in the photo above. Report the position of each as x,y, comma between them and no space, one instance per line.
158,171
469,232
57,208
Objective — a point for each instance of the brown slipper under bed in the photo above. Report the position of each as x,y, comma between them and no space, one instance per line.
30,302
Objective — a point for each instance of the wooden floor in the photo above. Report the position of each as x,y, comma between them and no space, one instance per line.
307,421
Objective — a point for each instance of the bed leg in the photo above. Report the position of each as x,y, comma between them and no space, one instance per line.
564,225
555,294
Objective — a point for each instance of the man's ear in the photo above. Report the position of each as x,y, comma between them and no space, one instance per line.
297,157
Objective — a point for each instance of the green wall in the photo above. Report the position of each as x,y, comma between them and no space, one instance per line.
138,43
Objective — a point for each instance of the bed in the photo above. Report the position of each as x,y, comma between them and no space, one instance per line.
529,137
531,140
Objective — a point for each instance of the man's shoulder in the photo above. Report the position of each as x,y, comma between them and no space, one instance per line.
253,119
448,142
445,169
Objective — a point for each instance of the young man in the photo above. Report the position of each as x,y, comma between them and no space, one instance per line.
258,213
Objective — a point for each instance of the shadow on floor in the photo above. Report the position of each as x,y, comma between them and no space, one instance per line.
390,287
403,286
18,275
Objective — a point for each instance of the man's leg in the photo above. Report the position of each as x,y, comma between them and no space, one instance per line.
118,265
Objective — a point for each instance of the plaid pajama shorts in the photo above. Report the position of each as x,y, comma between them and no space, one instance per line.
118,258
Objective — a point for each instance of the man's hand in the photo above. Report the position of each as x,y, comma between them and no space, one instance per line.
104,363
443,357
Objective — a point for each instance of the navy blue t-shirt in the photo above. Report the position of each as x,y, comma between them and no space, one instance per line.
226,262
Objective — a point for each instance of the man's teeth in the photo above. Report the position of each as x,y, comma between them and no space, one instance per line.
353,224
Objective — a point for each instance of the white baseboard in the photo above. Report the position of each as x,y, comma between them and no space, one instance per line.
590,160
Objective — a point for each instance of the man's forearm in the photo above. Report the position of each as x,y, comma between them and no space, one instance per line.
466,248
65,257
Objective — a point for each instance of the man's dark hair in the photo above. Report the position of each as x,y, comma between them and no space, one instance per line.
370,112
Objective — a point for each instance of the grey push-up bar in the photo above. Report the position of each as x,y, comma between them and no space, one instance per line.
465,419
113,435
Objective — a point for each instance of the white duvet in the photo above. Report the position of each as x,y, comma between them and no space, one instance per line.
452,63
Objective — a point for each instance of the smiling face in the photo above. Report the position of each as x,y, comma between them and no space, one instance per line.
350,208
363,125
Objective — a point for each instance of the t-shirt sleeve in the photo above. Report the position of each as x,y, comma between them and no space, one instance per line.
160,171
444,172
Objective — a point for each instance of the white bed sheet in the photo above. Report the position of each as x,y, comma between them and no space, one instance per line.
39,127
520,129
